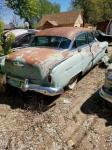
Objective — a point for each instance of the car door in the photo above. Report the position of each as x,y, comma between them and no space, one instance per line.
84,49
94,48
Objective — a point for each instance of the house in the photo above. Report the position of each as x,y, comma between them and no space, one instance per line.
105,26
70,19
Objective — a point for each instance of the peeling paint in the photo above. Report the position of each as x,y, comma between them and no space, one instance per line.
68,32
34,64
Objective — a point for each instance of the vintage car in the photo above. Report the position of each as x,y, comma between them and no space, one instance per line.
55,60
100,36
22,37
106,91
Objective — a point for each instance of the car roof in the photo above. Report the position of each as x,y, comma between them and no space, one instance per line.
17,32
67,32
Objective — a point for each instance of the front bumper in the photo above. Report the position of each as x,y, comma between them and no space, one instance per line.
106,94
24,85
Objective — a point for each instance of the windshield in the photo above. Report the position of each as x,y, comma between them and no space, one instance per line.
51,41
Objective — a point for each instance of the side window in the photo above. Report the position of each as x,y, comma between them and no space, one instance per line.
43,40
81,40
91,37
39,41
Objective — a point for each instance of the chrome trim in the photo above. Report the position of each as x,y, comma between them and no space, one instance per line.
18,64
45,90
26,86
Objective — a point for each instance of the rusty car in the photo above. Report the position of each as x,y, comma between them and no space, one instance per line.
23,37
54,60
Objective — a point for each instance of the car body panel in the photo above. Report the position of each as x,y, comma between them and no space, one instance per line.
99,50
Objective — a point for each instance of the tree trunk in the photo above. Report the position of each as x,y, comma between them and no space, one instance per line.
29,22
30,25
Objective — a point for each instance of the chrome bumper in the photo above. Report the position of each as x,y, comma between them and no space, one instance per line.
26,86
105,95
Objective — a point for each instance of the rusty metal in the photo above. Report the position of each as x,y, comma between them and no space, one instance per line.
37,55
29,68
68,32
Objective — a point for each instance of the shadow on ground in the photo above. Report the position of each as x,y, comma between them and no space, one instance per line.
95,105
31,101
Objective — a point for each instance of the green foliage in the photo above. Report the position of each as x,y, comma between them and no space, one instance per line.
32,9
46,7
1,31
8,43
94,10
5,45
1,37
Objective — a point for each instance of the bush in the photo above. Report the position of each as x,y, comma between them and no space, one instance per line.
8,43
1,36
1,31
5,43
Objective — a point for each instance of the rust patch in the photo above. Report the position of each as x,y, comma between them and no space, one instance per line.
33,55
68,32
66,54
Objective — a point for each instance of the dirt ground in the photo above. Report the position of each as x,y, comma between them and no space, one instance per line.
76,120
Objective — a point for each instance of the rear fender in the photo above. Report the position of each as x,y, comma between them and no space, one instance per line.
66,70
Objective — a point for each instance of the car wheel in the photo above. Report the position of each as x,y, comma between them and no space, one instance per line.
72,83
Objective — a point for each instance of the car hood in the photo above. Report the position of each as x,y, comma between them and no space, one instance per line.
39,56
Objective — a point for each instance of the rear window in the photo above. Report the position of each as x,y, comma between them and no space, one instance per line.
51,41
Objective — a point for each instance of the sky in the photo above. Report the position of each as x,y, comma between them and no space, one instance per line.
65,4
7,13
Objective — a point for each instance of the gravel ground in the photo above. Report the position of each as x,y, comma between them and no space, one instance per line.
75,120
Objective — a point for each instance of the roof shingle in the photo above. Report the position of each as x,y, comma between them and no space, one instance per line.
61,18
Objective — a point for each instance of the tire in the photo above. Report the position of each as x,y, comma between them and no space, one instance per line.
72,83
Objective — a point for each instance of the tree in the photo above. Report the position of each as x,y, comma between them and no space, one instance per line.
94,10
32,9
1,31
46,7
5,44
85,6
15,20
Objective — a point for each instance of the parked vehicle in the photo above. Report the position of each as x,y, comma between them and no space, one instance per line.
56,58
23,40
106,91
103,37
23,37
